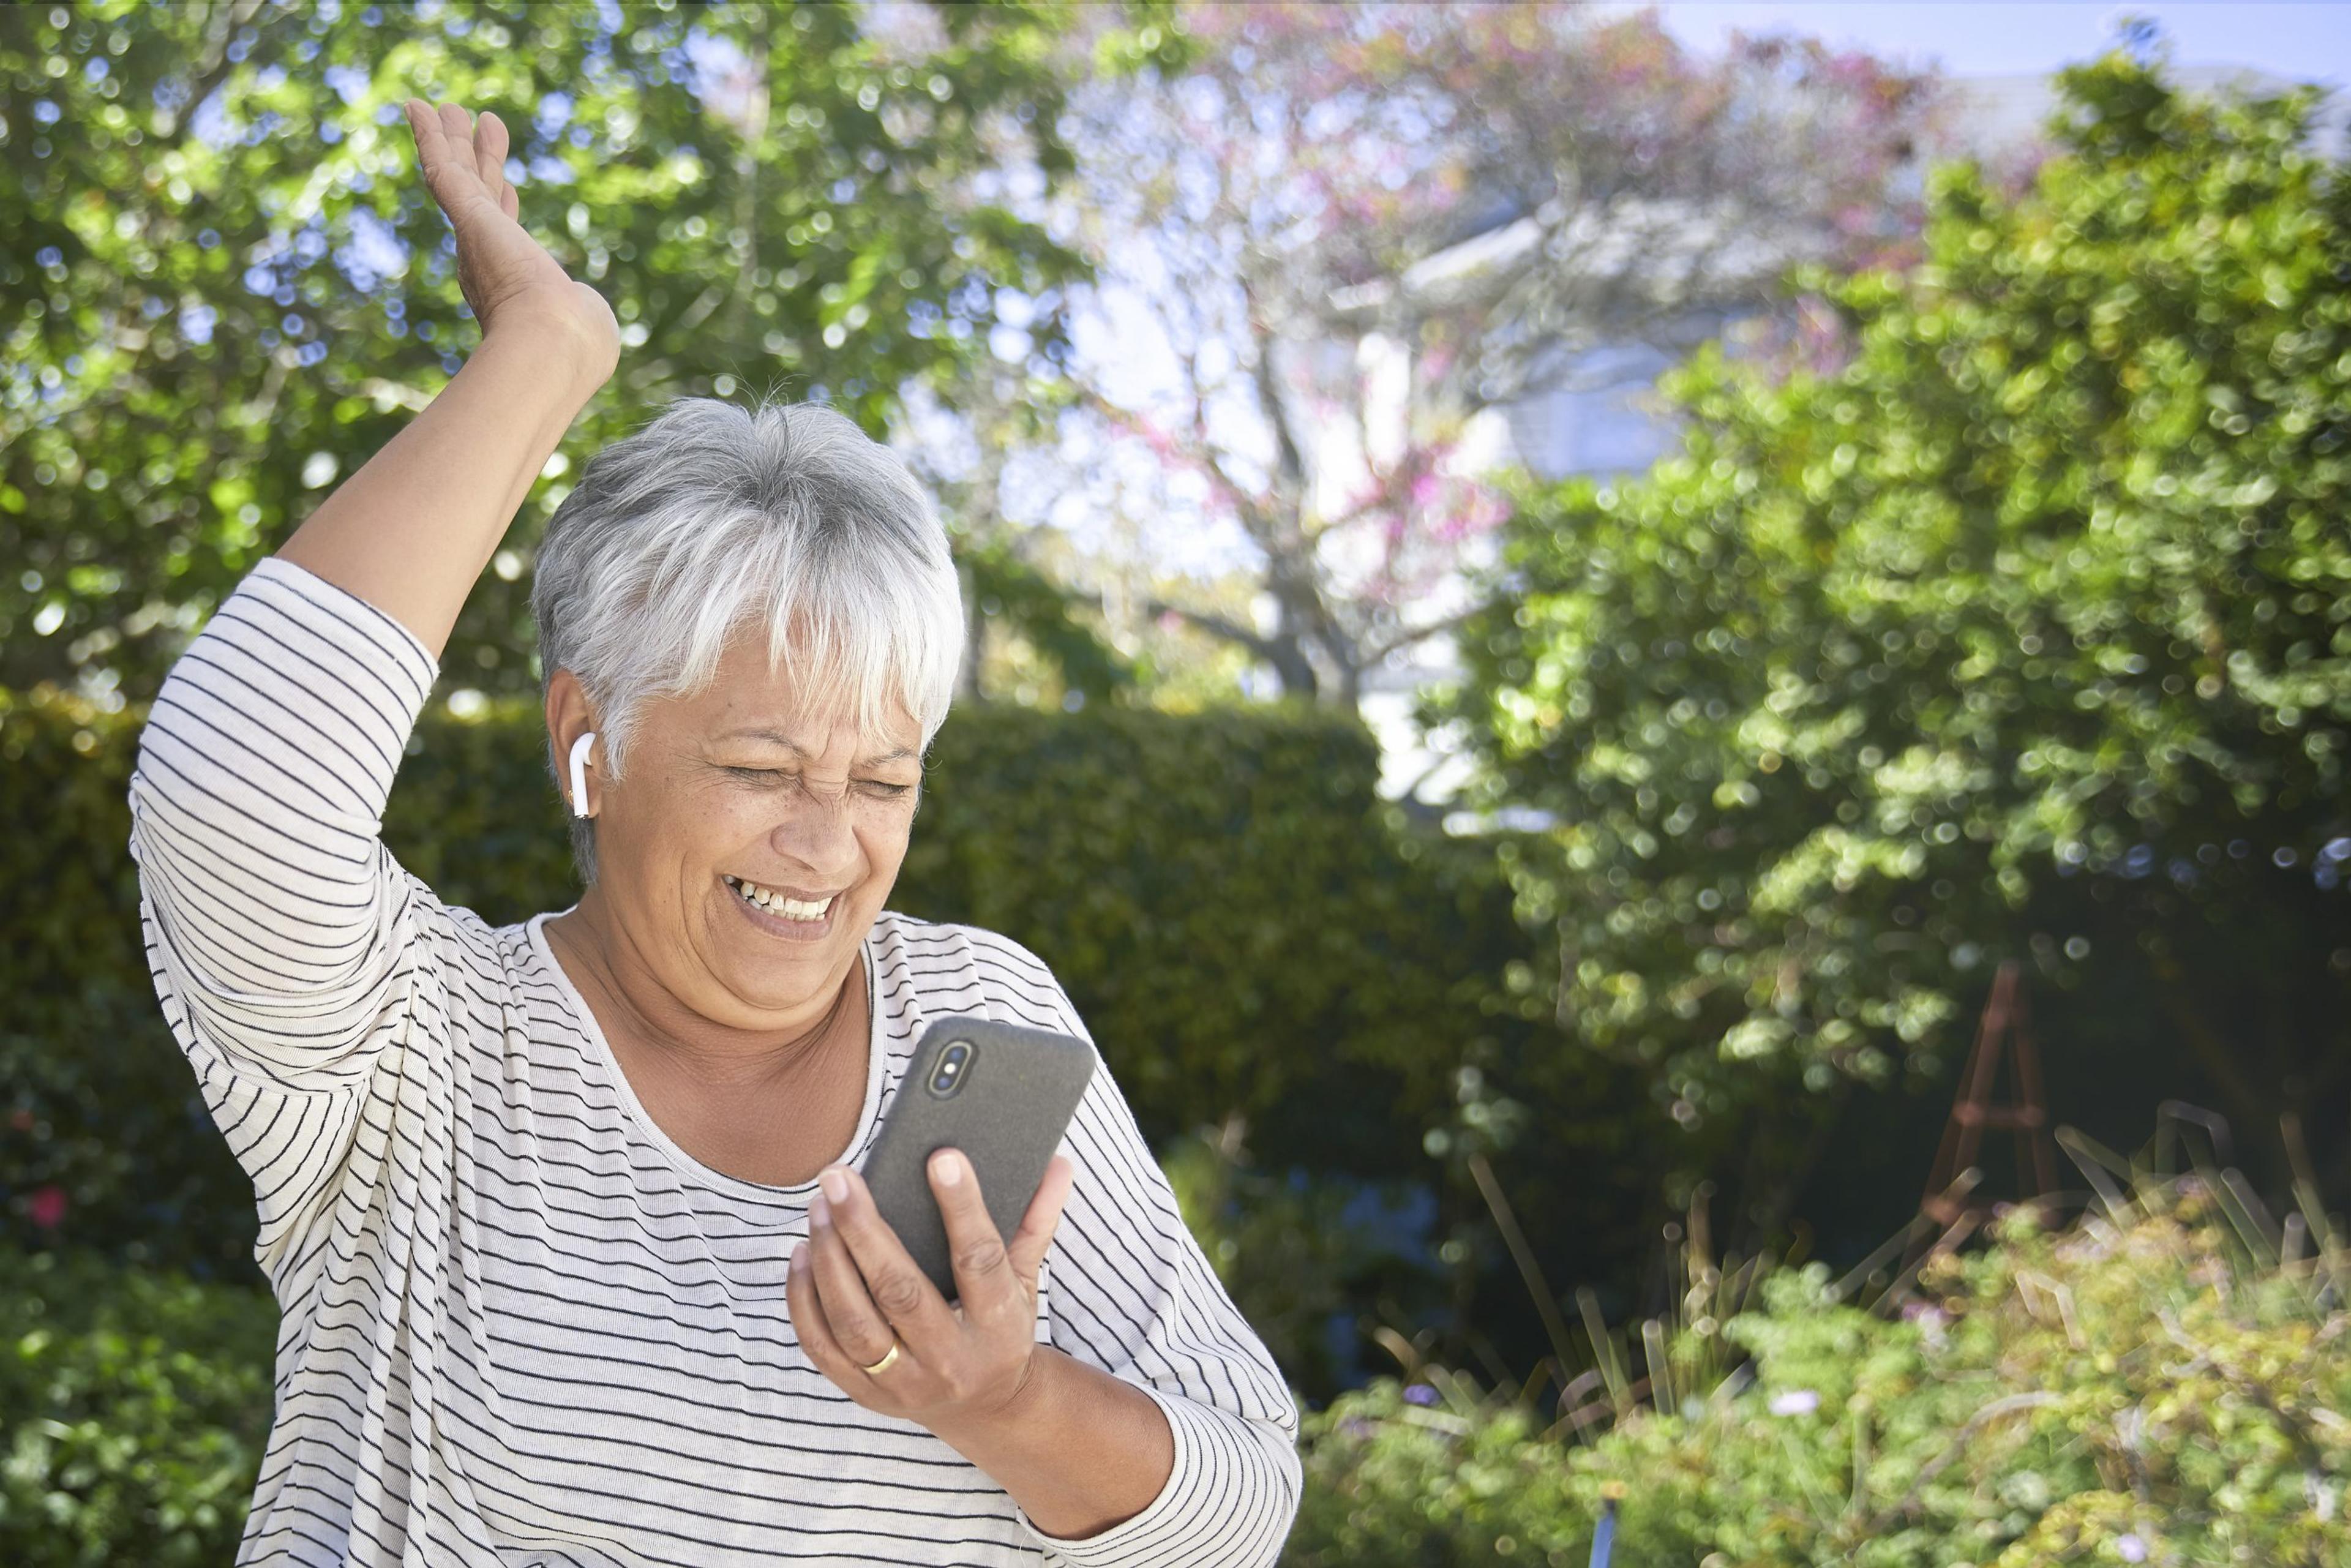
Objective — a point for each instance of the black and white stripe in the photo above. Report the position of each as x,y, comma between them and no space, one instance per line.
521,1326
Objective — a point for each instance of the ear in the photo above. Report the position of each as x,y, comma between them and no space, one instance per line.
569,718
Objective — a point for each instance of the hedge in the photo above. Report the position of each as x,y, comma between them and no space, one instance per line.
1246,927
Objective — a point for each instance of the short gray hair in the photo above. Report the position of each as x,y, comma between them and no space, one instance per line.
713,519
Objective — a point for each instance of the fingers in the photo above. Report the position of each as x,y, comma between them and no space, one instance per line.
490,150
901,1294
460,156
444,141
490,145
983,1269
851,1320
814,1325
1029,1242
425,127
458,134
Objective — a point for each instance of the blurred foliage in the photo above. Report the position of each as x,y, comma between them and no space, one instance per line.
134,1411
1010,595
2163,1382
1304,1253
1245,930
224,287
2024,631
104,1137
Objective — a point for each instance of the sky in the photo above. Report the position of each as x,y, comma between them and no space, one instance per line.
2310,41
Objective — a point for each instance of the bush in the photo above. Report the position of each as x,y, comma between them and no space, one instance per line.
2155,1384
134,1411
2025,632
1302,1253
103,1138
1236,914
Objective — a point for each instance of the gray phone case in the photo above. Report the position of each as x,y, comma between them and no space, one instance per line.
1011,1102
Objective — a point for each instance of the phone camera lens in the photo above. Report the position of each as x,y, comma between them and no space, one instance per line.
948,1074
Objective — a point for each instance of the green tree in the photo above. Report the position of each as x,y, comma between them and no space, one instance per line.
2025,632
223,285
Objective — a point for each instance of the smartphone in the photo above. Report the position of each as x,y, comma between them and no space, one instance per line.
1002,1094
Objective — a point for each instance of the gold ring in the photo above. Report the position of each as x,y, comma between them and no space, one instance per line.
888,1358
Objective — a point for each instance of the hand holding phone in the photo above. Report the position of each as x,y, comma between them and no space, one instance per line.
1001,1097
1001,1094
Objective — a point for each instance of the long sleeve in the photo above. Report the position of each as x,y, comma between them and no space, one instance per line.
280,932
1129,1291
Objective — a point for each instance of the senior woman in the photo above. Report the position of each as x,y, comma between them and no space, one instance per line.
564,1218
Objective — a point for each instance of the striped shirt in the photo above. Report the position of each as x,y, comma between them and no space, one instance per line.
520,1325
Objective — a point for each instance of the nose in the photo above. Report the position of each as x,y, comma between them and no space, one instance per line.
814,834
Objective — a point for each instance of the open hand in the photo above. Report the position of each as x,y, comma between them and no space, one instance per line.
855,1292
505,275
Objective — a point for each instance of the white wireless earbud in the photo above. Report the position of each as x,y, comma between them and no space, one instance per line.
580,774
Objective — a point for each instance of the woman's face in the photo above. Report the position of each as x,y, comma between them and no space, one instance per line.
751,844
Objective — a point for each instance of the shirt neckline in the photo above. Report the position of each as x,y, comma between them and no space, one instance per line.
600,1049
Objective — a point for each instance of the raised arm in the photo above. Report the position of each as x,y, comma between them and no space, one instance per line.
285,942
412,531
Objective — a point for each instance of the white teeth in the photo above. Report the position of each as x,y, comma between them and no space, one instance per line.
777,903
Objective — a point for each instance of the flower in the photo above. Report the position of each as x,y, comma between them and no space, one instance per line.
2132,1548
1932,1321
46,1207
1420,1394
1795,1402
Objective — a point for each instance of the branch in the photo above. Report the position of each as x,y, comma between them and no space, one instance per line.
1217,626
1292,461
214,69
1289,663
1204,463
1406,637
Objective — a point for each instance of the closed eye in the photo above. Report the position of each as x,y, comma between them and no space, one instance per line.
877,788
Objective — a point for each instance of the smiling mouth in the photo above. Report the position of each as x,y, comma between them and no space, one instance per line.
809,912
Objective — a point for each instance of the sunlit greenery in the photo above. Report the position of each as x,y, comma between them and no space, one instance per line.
2158,1385
134,1406
2024,631
224,286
